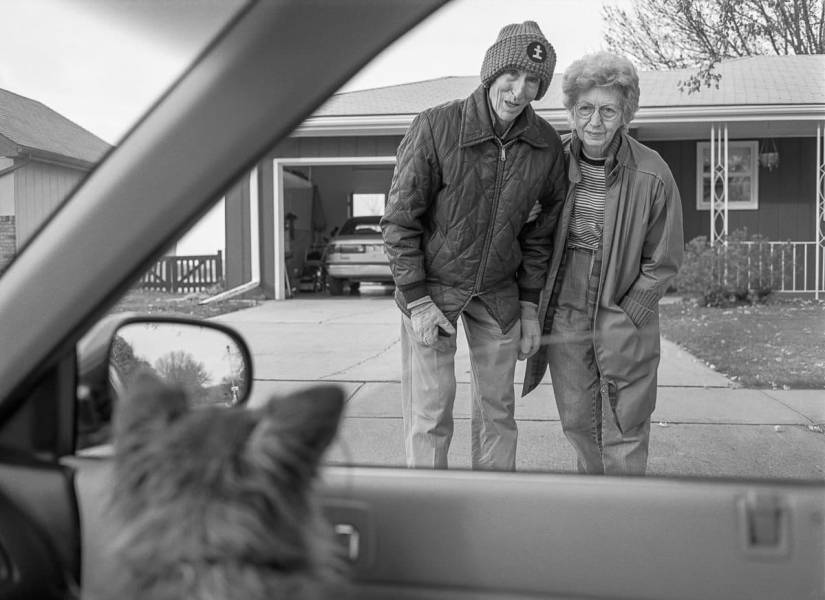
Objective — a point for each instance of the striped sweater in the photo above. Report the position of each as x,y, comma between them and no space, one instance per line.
587,220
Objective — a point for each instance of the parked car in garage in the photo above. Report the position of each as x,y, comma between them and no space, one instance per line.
356,254
408,534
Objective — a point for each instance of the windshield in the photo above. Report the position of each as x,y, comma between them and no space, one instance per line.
725,358
361,225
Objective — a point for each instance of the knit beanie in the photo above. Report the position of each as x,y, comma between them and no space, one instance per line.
520,46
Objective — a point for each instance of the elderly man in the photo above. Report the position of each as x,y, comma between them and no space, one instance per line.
463,242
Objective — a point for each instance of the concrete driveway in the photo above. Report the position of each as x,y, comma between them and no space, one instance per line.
703,425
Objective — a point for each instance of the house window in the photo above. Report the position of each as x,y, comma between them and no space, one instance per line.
743,175
367,204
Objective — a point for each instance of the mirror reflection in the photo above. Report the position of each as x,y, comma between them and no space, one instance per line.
207,362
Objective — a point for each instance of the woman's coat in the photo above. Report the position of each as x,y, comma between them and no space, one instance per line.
642,248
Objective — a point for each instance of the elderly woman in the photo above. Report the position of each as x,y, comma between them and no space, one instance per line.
618,244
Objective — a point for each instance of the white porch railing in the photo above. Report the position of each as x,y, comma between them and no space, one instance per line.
786,266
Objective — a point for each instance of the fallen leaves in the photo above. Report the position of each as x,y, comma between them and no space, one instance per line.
771,345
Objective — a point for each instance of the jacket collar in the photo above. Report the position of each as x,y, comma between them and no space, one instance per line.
477,123
618,152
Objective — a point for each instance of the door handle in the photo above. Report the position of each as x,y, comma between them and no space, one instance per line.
353,529
349,537
765,524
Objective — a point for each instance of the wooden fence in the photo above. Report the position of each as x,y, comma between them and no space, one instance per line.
184,274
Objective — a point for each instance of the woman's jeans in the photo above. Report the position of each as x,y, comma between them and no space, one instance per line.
587,421
429,386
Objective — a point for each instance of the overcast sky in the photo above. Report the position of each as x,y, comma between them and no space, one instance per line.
101,63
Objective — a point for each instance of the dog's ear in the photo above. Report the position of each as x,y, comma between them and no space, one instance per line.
148,406
300,426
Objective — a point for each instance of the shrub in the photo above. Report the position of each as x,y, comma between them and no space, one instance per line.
216,288
745,269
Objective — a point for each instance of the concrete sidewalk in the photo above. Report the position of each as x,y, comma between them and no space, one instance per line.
704,424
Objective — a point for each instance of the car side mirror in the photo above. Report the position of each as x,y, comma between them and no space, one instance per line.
211,363
210,360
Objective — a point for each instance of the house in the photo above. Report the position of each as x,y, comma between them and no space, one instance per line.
43,156
767,116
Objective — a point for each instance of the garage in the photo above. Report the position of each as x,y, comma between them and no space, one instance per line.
282,216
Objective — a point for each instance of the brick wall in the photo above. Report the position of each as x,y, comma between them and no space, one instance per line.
8,245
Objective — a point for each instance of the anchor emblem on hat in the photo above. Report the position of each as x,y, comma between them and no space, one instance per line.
536,52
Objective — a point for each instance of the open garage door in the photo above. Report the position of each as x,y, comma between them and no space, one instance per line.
304,221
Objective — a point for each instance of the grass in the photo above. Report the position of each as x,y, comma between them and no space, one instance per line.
779,344
145,301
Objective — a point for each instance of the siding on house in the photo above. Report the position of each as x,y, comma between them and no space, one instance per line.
337,146
39,190
786,194
237,230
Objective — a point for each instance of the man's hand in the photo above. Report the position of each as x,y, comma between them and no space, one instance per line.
530,330
426,318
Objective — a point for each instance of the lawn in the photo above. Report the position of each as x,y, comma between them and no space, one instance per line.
779,344
144,301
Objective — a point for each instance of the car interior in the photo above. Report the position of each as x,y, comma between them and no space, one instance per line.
406,534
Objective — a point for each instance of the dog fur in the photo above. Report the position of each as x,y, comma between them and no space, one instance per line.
215,503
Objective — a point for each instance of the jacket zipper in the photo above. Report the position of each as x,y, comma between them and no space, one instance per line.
599,290
488,239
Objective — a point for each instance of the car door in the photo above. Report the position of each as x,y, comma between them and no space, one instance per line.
409,534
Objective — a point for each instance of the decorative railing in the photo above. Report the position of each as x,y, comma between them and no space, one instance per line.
782,266
184,274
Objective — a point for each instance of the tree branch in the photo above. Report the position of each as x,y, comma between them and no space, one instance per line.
673,34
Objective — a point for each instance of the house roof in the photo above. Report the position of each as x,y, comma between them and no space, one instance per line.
38,130
759,88
745,81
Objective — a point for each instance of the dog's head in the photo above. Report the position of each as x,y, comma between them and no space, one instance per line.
221,496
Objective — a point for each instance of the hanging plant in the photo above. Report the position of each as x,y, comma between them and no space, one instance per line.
768,154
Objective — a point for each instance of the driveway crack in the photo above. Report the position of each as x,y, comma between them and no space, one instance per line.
381,352
788,406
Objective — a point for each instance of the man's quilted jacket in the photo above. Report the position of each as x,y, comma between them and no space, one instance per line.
455,225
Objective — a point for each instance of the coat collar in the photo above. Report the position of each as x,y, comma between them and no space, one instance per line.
477,123
618,153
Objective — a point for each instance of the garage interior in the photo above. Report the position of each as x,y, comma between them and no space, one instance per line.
289,230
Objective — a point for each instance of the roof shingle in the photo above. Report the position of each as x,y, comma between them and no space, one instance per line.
36,127
757,80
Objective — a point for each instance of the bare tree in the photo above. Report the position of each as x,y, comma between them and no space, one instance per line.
180,367
676,34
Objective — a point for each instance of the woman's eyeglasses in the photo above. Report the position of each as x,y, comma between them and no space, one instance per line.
607,112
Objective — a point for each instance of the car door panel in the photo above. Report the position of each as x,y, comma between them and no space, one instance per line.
460,535
40,508
39,497
29,567
530,535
